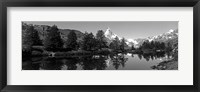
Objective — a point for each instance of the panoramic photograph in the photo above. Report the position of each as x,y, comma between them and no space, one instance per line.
99,45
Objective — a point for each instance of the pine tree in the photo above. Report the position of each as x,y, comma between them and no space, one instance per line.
115,44
122,44
53,41
72,41
162,46
30,37
132,47
169,47
101,41
36,38
89,42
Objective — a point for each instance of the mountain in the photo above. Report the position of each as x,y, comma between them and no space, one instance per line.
170,36
42,31
109,34
135,42
65,32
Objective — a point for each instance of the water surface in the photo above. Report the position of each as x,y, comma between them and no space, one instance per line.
118,61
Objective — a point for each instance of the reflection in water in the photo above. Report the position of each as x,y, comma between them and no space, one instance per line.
118,61
152,56
93,63
51,64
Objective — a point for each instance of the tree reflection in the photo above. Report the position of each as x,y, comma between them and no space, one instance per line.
140,56
31,63
146,56
28,65
118,60
51,64
101,63
94,63
89,62
152,56
71,63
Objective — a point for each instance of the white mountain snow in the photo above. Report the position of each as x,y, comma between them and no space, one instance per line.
131,42
170,31
171,34
110,35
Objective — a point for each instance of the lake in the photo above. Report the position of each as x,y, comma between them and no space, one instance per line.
119,61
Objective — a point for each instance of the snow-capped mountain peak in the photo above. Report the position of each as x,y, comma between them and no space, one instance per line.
171,34
109,34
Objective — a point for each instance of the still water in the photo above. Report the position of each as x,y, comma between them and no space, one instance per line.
118,61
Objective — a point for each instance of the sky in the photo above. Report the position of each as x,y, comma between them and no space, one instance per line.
126,29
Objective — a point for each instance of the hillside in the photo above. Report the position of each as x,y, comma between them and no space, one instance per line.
42,31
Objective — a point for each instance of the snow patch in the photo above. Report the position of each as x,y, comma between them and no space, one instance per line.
171,31
133,41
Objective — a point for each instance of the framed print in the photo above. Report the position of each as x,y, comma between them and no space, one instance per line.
104,45
117,53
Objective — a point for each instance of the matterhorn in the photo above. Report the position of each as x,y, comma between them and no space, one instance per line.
110,35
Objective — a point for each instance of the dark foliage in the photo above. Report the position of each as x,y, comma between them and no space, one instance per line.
89,42
153,45
53,41
30,37
115,44
71,43
101,40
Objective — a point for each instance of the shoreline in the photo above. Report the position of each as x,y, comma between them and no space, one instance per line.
166,65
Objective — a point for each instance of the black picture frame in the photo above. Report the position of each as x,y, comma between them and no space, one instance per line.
99,3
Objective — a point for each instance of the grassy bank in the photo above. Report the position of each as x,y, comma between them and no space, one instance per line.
70,53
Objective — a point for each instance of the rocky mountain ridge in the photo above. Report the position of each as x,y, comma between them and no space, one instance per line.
165,37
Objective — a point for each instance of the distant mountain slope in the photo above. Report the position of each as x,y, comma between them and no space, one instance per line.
42,30
65,32
170,36
110,36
